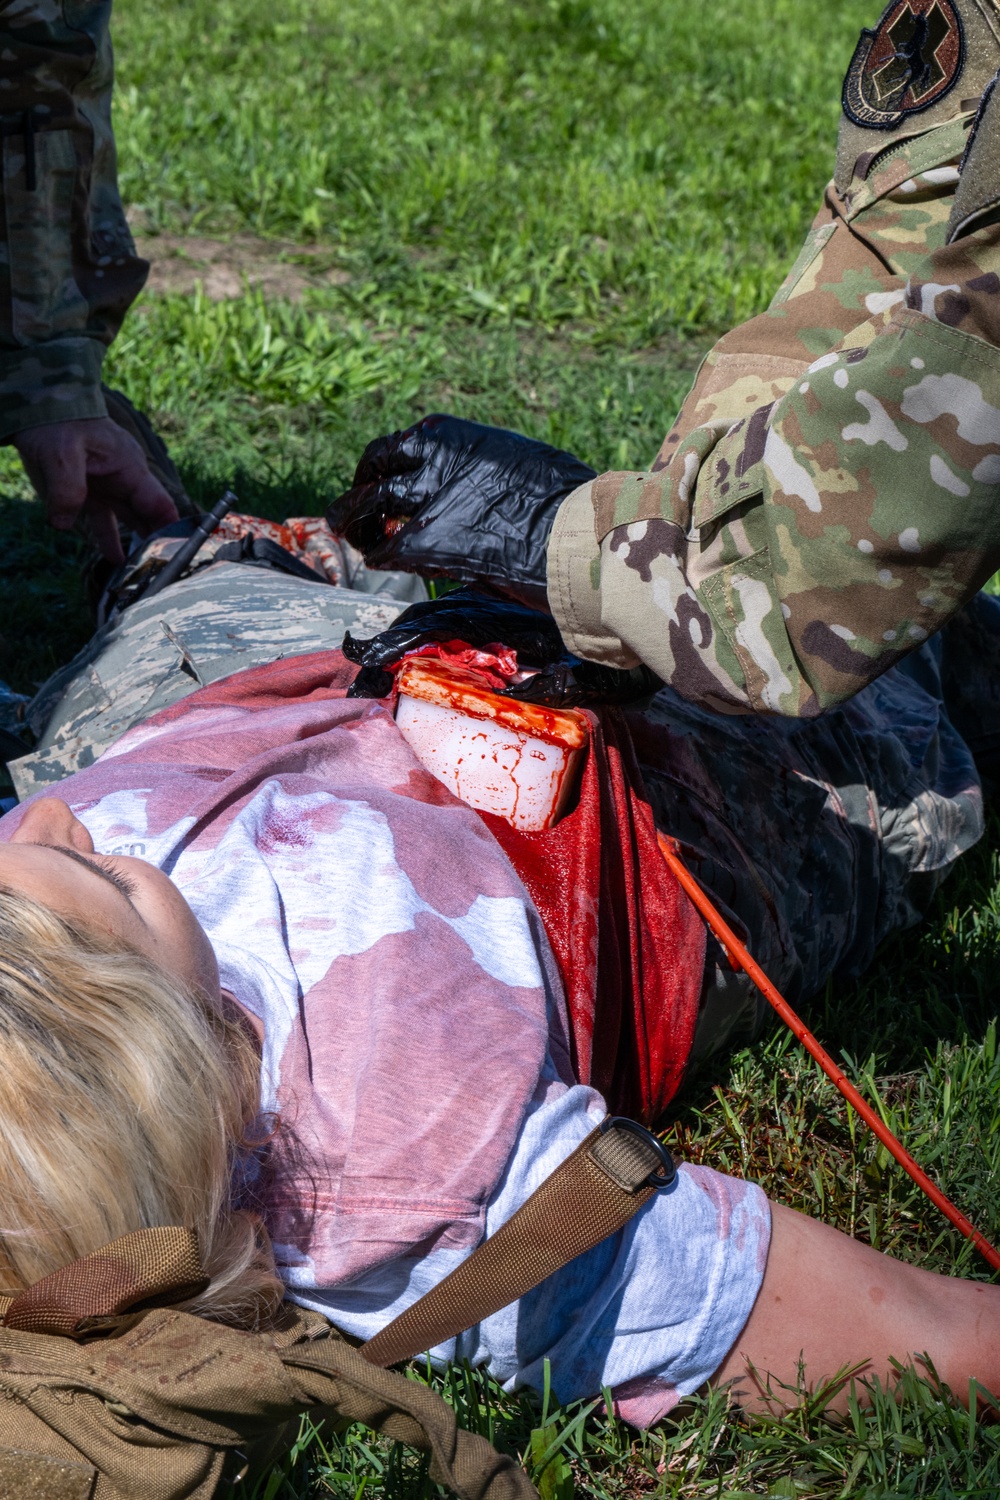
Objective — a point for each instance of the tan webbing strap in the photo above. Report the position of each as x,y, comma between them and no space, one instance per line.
590,1196
150,1265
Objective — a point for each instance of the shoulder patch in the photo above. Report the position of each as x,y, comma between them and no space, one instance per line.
907,63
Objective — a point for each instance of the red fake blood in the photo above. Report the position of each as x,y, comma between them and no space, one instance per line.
492,666
281,831
433,675
469,693
422,786
629,944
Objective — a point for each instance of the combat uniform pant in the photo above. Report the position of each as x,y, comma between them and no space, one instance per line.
217,621
820,838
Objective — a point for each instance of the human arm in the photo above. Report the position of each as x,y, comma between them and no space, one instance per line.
68,269
704,1285
808,521
804,527
829,1304
650,1312
458,498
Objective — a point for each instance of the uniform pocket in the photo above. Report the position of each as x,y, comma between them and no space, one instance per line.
45,299
720,490
743,601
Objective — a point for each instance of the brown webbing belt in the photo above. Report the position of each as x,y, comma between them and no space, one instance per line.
592,1195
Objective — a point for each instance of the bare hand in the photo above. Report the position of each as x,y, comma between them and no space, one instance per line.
92,468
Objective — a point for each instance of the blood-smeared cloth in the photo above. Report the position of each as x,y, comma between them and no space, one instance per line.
629,944
416,1041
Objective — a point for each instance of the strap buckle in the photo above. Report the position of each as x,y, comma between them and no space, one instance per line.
653,1152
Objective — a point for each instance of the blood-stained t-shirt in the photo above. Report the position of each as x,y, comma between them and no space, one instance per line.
414,1028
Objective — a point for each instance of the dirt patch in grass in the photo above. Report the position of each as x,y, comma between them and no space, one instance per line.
226,267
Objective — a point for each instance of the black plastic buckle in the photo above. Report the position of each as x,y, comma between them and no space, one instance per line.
667,1171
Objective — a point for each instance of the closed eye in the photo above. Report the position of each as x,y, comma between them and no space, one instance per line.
101,865
107,867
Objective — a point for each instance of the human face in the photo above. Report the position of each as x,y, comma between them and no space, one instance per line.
51,858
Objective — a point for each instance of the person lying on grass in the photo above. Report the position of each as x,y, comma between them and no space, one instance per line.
255,962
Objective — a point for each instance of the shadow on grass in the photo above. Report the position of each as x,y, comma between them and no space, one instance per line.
45,617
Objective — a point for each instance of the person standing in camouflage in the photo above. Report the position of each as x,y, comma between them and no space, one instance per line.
829,495
68,274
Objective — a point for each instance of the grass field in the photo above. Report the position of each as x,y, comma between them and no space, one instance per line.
537,214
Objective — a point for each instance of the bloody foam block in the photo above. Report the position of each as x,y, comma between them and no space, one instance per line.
518,760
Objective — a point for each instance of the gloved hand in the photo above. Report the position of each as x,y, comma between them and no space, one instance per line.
458,499
561,681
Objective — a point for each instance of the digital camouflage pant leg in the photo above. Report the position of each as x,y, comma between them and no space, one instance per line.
820,837
218,621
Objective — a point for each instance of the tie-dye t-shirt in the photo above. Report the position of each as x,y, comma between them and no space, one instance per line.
414,1035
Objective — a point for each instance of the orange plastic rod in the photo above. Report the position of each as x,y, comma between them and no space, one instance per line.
877,1126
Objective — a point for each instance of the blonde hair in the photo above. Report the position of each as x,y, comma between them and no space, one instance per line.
125,1100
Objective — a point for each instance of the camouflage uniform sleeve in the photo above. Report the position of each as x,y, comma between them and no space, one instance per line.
830,494
68,267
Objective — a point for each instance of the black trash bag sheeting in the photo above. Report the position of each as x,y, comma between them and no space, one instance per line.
559,680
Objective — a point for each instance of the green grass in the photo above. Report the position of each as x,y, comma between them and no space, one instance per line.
544,210
546,161
540,213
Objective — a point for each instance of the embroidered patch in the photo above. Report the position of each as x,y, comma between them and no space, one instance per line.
909,62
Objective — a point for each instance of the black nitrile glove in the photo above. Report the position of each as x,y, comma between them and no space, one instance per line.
460,500
562,680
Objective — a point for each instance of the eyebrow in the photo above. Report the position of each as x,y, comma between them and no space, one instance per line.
107,875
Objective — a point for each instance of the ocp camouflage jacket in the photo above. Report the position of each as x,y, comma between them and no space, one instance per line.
830,492
68,267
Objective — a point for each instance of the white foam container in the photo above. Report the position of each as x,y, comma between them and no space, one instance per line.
517,760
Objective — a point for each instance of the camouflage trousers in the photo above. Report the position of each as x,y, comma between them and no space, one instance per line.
817,837
219,620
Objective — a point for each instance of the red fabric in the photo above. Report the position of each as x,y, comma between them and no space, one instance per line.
629,944
495,664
